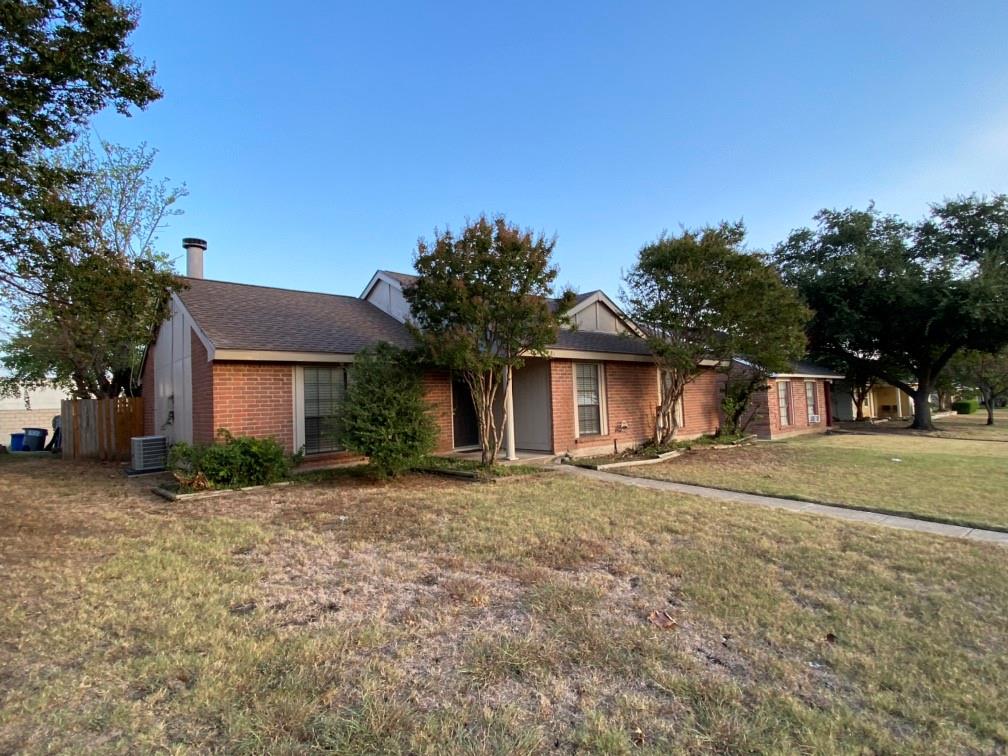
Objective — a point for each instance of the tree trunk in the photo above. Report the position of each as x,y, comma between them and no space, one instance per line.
988,398
666,423
922,410
858,410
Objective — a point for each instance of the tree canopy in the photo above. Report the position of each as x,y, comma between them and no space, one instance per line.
704,300
899,300
481,304
984,372
94,304
61,62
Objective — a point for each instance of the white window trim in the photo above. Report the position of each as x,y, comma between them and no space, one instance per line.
812,409
298,395
789,403
603,411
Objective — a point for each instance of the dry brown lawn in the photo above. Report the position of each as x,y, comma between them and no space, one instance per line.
429,616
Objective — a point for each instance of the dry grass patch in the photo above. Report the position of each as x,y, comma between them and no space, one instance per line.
960,482
507,619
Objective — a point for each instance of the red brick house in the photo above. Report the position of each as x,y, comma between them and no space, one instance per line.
263,361
795,402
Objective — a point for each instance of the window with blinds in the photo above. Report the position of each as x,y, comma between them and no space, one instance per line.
324,390
589,403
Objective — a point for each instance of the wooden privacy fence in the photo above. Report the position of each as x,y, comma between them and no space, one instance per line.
100,428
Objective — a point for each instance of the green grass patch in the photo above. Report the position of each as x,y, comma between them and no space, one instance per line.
942,480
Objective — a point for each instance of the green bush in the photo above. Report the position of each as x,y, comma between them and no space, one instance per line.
966,406
233,461
384,415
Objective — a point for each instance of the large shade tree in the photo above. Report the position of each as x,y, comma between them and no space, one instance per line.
985,372
703,300
899,300
481,305
93,306
61,62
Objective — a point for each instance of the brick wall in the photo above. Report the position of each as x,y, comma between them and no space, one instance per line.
631,393
147,392
773,428
702,404
438,393
254,399
202,393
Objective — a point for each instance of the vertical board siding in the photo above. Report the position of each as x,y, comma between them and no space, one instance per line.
100,428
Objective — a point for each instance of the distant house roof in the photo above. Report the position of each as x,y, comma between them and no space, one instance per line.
242,316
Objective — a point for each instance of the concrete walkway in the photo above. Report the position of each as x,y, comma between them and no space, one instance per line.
772,502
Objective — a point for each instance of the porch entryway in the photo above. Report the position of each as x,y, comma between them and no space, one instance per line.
532,415
465,424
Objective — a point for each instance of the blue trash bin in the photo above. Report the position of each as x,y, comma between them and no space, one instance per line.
17,442
34,439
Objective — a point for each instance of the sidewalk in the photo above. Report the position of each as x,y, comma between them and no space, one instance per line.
839,513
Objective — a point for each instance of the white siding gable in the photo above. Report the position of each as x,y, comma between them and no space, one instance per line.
599,318
390,299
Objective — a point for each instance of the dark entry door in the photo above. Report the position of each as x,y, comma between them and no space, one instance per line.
464,421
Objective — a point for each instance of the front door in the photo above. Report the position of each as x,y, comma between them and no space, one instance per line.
464,423
532,398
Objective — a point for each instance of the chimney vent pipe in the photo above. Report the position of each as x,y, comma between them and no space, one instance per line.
194,256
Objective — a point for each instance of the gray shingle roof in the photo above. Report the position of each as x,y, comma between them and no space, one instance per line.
404,279
247,317
812,370
592,341
242,316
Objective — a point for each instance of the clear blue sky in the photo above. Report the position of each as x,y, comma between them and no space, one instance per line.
319,143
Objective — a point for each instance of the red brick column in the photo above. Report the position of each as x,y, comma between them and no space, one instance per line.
562,399
437,390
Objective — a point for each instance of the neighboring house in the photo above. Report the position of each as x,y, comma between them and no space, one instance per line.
35,408
274,362
795,402
883,401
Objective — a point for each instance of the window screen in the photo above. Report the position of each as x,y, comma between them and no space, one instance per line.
324,389
784,402
588,400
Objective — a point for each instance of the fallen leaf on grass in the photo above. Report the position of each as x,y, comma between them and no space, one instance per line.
662,620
